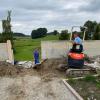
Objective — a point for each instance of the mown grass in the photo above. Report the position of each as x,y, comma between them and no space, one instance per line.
24,47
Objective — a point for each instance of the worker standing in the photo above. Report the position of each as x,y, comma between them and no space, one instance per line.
36,56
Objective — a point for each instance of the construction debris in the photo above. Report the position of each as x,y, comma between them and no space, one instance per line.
95,64
26,64
29,64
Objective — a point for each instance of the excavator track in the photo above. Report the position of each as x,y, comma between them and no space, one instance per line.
79,72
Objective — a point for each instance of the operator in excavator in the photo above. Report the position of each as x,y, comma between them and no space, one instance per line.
77,42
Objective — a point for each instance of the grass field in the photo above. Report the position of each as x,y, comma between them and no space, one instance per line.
24,46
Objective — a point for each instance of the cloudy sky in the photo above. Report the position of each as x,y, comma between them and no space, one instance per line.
52,14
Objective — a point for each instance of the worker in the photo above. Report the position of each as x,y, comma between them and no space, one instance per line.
77,41
36,56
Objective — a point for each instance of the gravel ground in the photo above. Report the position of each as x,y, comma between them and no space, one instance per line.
33,88
44,83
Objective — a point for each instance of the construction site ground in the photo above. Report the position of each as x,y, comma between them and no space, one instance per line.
88,87
44,83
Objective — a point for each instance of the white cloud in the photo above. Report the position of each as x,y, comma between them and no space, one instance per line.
52,14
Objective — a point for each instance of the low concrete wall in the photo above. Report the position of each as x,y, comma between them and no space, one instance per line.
6,53
3,52
57,49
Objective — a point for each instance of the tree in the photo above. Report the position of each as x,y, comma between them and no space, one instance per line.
91,28
40,32
96,35
93,31
64,35
7,34
55,32
0,38
34,34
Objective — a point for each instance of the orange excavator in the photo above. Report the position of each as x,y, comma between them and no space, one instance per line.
76,58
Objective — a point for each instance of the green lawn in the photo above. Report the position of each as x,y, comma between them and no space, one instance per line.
24,46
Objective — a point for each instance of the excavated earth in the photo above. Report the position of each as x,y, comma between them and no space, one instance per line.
43,83
48,67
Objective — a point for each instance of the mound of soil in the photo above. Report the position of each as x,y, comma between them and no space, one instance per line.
49,67
7,69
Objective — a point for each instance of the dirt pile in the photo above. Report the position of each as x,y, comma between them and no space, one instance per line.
49,67
7,69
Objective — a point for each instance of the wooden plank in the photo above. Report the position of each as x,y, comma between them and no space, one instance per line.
78,97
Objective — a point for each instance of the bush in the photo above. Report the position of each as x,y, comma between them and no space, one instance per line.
40,32
64,35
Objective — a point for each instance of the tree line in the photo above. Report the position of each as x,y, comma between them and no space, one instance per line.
92,32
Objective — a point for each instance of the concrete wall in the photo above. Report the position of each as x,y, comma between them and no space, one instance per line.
57,49
6,53
3,52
